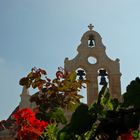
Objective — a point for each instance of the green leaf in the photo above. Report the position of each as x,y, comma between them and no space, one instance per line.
72,105
102,93
71,77
51,132
135,134
58,115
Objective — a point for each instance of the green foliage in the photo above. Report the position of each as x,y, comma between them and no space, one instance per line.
61,92
132,94
57,114
105,119
54,97
135,134
88,135
83,121
50,133
102,120
132,100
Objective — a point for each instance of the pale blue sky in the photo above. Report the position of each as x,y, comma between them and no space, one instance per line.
43,32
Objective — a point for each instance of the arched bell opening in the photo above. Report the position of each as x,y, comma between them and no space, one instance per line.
91,42
81,75
102,78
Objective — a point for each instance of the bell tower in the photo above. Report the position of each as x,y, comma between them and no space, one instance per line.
91,47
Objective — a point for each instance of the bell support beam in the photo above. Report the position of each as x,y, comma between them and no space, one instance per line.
92,88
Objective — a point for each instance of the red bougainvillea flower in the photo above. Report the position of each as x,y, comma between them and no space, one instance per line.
28,126
127,136
24,115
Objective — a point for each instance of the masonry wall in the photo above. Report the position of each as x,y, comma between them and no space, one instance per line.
7,138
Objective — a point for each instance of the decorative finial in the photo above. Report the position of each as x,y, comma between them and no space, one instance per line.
90,26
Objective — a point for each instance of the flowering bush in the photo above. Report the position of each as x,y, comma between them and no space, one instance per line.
28,126
53,98
127,137
106,119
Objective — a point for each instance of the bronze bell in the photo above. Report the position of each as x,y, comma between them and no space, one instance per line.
103,80
81,73
102,73
91,43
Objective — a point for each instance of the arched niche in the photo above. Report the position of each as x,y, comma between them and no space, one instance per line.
91,41
82,91
103,78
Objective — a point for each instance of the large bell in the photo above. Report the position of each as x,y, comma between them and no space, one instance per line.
91,43
103,80
102,73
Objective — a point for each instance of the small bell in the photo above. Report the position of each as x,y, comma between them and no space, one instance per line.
91,43
103,80
81,73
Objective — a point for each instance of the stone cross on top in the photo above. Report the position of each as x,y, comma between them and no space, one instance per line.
90,26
